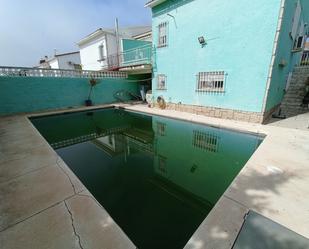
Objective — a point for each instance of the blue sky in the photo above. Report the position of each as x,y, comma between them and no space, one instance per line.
30,29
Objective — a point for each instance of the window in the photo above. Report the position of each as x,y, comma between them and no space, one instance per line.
296,18
161,127
298,44
101,52
162,34
300,38
161,84
205,141
211,81
162,164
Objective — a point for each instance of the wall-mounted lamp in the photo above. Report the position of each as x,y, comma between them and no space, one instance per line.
202,41
283,63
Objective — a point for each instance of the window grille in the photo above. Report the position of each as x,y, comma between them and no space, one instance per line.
211,81
162,164
101,52
161,129
296,18
161,84
298,43
205,141
162,34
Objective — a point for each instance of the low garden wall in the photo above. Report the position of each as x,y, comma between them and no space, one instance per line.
32,94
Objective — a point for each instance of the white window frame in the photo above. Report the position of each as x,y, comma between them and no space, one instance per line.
162,166
162,34
295,22
205,141
101,52
300,38
212,81
161,129
161,78
299,43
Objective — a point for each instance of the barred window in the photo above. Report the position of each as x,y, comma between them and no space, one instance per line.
205,141
161,84
298,43
211,81
101,52
162,164
162,34
161,128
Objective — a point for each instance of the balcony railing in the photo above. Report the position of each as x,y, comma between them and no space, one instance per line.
305,59
137,56
42,72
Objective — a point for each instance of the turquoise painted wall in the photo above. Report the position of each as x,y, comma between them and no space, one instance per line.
30,94
241,35
128,44
136,52
284,52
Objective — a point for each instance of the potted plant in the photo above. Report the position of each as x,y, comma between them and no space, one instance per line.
92,83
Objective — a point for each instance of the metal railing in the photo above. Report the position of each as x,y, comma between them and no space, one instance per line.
305,59
42,72
88,137
137,56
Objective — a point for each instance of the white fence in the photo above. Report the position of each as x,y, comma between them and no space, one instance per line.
40,72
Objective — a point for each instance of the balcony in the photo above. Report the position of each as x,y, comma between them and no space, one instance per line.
130,59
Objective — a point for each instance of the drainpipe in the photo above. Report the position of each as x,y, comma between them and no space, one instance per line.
274,53
117,41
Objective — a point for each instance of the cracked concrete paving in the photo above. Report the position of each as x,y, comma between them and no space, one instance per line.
47,230
32,193
100,226
40,197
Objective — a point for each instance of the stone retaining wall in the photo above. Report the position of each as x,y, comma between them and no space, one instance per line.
252,117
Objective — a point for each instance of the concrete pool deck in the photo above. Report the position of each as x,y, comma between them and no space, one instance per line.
44,205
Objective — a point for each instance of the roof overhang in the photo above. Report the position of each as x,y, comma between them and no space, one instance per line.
143,35
95,34
154,3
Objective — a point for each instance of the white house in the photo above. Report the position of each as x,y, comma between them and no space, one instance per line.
98,48
62,61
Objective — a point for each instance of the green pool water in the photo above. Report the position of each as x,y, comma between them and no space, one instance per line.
158,178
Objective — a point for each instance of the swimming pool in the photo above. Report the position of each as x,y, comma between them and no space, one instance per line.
157,177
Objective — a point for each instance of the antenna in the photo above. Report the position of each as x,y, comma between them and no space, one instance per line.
117,38
117,33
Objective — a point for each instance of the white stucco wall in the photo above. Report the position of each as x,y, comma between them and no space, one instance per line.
63,61
54,63
89,54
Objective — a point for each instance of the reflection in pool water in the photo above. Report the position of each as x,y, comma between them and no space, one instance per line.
158,178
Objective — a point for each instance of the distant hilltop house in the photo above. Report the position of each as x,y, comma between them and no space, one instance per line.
229,59
104,49
69,61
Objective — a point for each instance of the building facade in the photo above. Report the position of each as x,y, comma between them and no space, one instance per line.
68,61
100,50
228,59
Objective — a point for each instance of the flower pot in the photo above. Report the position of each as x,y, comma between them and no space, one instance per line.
88,102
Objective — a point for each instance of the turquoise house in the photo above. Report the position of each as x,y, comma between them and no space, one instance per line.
226,58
